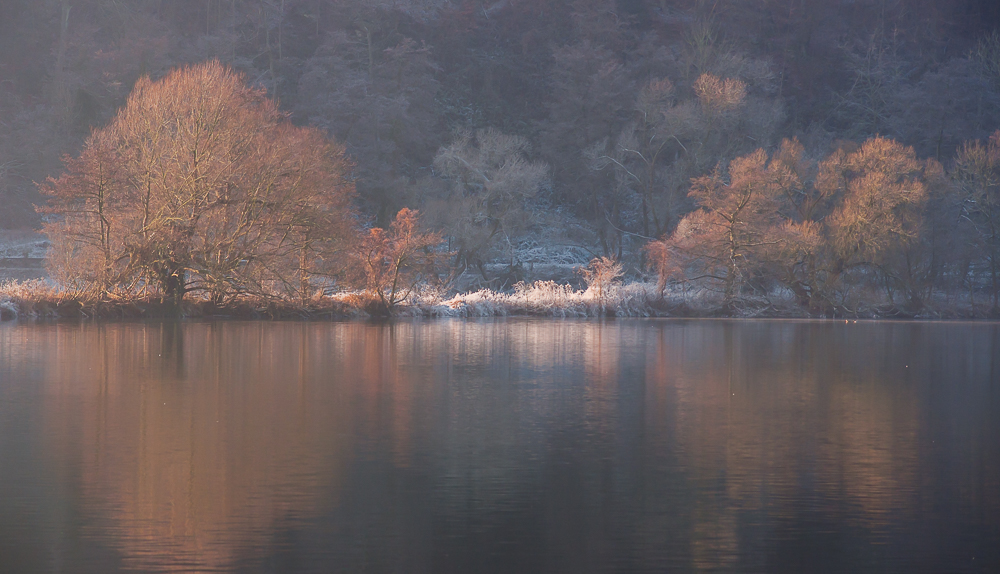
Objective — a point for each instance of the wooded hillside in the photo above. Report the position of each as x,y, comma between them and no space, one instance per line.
528,131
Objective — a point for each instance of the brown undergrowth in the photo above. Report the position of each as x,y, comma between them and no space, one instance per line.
38,299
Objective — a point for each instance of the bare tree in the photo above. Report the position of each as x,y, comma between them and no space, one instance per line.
987,55
977,172
493,184
199,183
84,200
642,145
394,260
866,106
601,274
728,240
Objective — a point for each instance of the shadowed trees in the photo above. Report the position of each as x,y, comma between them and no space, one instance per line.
711,104
199,183
380,101
977,173
493,185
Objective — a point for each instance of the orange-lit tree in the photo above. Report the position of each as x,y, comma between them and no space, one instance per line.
394,260
728,240
199,183
858,220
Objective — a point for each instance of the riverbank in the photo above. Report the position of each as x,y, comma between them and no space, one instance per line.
40,300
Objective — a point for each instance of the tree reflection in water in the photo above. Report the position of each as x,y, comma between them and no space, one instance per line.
536,445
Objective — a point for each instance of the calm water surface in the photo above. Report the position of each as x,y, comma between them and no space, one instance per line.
501,446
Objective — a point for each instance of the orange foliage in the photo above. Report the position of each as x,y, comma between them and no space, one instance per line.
394,260
719,95
199,183
801,225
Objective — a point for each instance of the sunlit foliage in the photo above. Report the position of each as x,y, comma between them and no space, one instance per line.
394,260
199,184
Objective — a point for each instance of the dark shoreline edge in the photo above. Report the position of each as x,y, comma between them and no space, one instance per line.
338,310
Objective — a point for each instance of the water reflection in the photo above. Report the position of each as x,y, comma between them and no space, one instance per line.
461,446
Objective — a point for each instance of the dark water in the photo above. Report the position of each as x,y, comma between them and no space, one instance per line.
510,446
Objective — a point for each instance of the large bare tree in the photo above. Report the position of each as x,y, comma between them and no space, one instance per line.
199,183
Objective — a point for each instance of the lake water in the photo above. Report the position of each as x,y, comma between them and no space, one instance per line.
460,446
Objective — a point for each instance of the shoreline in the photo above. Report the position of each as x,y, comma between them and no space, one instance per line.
30,301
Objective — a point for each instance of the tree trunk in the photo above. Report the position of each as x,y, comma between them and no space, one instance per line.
172,284
303,274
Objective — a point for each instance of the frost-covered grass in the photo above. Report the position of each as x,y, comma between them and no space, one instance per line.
548,298
41,299
32,298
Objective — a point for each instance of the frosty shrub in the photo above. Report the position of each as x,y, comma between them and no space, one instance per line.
600,275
